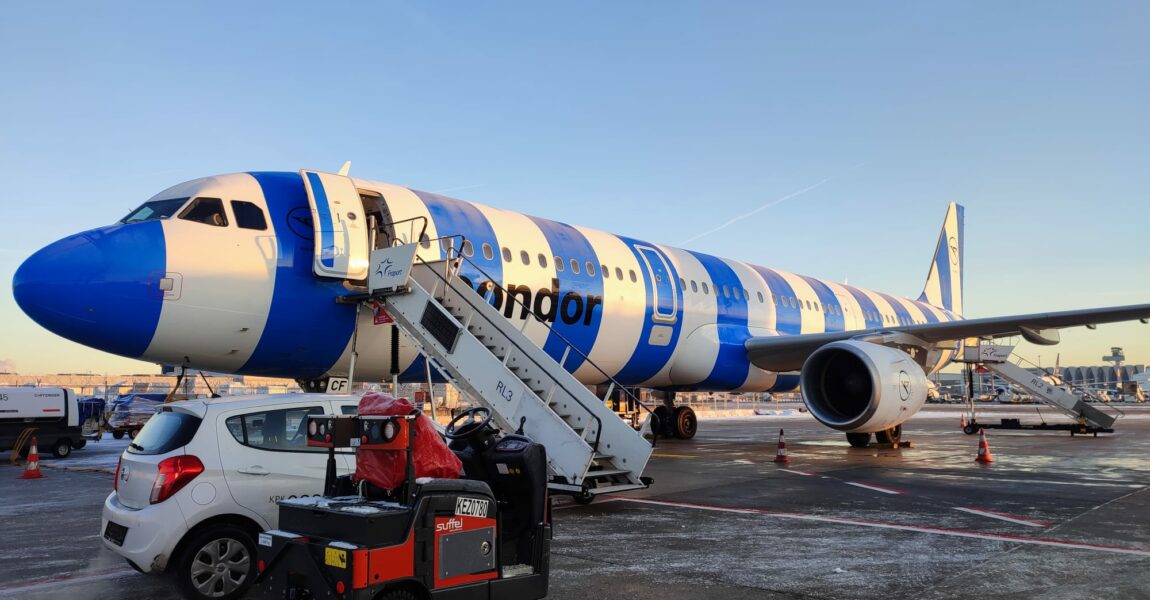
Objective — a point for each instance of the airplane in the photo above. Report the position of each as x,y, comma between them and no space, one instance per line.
225,274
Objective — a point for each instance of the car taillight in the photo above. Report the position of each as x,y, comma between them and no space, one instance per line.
175,473
116,479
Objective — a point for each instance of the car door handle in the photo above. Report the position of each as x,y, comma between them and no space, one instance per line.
254,470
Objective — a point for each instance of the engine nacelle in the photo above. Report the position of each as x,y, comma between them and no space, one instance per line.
862,387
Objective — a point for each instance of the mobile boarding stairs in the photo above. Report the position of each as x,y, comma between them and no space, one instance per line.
1086,418
590,450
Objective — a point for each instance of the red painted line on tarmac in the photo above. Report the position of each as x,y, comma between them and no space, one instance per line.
877,488
62,581
998,537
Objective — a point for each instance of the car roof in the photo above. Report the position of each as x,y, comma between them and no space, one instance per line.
201,406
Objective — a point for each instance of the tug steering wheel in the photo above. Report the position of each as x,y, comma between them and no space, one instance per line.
458,429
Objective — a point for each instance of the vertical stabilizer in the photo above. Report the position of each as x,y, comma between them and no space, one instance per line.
944,282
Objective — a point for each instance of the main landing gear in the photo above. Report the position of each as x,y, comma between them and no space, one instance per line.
674,421
886,439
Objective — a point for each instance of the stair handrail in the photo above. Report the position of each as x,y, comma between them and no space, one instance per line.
455,254
1079,391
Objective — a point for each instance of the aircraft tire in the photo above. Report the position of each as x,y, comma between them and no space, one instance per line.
686,423
662,422
889,436
970,430
859,440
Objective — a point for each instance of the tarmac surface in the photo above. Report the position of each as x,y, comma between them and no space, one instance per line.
1055,517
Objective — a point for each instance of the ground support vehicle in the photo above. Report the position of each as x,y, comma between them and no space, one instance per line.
486,537
50,414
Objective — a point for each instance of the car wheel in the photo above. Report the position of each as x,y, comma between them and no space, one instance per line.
217,564
119,435
133,433
62,448
80,444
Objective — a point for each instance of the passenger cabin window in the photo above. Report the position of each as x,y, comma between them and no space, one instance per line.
760,297
155,210
706,289
248,215
574,266
694,286
284,430
468,248
543,261
424,241
559,264
633,278
506,254
618,273
525,257
590,268
488,252
606,271
206,210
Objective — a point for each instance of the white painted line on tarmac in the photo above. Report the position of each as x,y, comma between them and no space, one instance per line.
997,537
65,581
876,488
1003,516
798,472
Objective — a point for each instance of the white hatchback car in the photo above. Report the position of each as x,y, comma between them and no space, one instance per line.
201,480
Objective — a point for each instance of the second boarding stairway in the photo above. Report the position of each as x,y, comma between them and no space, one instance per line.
995,359
590,450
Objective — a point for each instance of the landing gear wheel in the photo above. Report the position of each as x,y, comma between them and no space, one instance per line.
662,421
970,429
62,448
889,436
119,435
686,423
859,440
218,564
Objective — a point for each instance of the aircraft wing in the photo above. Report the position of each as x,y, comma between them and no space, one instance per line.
789,352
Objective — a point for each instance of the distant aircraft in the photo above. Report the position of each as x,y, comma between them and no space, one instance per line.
239,273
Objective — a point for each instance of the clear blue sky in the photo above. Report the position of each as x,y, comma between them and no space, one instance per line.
659,120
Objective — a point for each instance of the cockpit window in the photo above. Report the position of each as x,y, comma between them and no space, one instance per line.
155,210
248,215
206,210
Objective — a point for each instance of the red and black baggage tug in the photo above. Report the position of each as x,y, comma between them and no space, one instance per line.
486,536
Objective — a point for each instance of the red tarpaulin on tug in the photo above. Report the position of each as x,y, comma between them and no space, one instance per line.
386,468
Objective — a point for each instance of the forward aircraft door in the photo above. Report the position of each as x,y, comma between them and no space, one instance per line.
341,237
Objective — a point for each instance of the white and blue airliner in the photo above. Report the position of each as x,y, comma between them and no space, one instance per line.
240,273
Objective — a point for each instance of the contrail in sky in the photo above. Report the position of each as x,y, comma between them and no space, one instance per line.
774,202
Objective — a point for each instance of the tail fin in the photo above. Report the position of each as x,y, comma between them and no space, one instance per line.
944,283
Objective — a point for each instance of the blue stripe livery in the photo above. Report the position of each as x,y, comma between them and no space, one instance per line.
306,331
731,366
833,319
573,289
788,319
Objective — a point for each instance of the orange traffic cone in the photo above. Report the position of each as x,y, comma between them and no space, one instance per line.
781,455
962,422
32,469
983,449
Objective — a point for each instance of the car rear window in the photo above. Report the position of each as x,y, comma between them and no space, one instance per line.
165,432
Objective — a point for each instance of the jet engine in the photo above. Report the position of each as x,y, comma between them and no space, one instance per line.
862,387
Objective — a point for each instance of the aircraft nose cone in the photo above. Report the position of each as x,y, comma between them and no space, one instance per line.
98,288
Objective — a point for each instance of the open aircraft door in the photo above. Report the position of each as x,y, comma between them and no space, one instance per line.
341,238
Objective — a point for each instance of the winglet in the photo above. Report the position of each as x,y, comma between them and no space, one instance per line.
345,169
944,282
